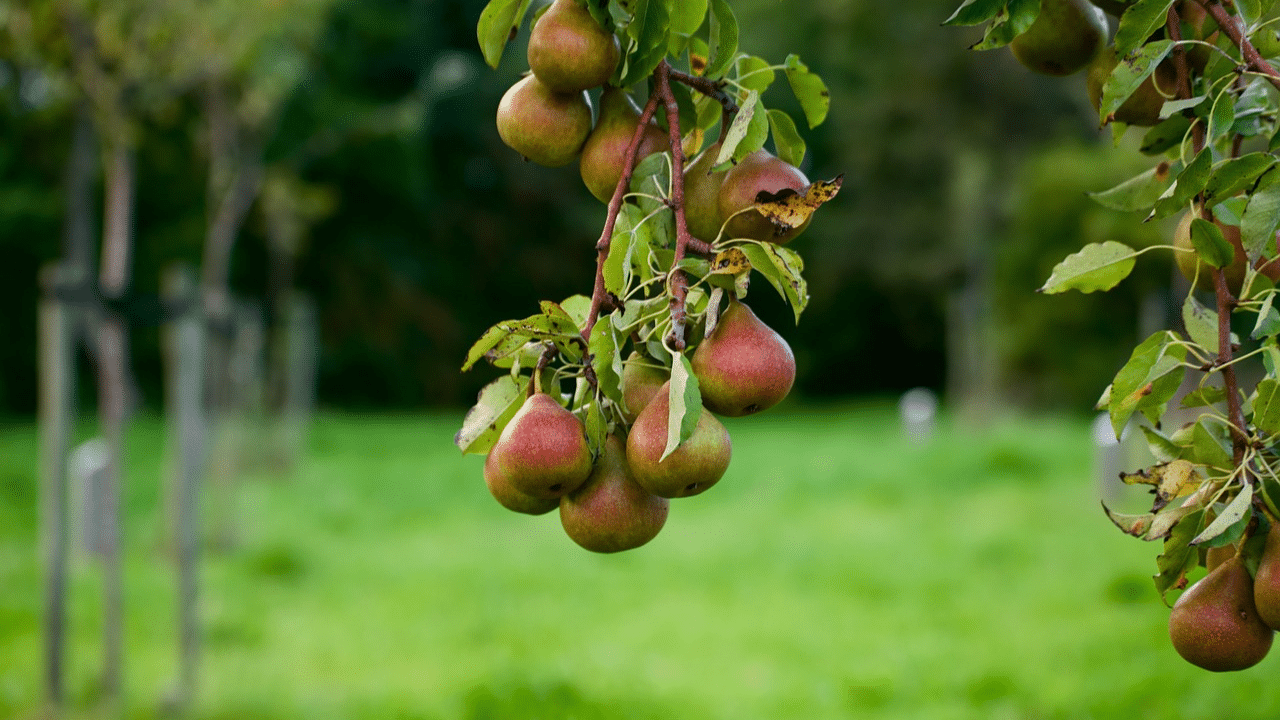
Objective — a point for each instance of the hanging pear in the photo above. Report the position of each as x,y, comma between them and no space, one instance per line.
641,380
693,467
546,127
1065,36
759,177
611,512
605,151
743,366
1266,582
569,51
1215,625
701,191
541,453
509,497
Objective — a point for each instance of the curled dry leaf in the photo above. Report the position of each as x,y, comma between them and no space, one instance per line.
788,210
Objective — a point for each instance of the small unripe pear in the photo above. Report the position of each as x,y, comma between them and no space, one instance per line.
569,51
701,193
1143,106
1065,36
1188,261
641,380
693,467
605,151
1266,582
759,177
611,512
1215,625
542,452
743,366
546,127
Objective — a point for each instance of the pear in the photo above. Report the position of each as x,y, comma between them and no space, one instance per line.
1215,625
512,499
569,51
641,380
1065,36
696,465
542,452
611,512
743,366
605,151
701,191
1266,582
1188,261
759,177
1142,108
1215,556
546,127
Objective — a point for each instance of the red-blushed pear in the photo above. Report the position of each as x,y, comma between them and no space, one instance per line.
1266,582
701,193
743,366
605,151
512,499
1215,625
641,380
546,127
569,51
542,452
693,467
611,512
1065,36
1215,556
759,177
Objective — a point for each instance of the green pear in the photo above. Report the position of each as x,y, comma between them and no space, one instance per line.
1266,582
509,497
701,193
696,465
546,127
641,380
569,51
542,452
1189,263
1143,107
605,151
759,177
743,366
611,512
1065,36
1215,625
1215,556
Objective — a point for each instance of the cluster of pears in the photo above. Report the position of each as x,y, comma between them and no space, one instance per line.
619,501
1071,35
547,117
1227,620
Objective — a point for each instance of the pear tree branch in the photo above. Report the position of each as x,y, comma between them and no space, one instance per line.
1248,52
679,282
712,89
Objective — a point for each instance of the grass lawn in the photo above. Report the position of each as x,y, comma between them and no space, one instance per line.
836,572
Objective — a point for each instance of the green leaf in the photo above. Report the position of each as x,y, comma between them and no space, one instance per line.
1222,116
1268,323
494,408
1156,358
686,404
1161,447
786,139
1208,447
1262,216
606,361
487,342
723,39
1233,175
1178,557
1201,323
499,22
1250,11
597,427
1098,266
1210,244
1132,70
1190,182
617,264
1266,407
561,320
1135,525
783,269
747,132
650,28
1139,192
1203,397
975,12
1138,23
1013,20
1229,525
1165,136
755,73
809,89
686,18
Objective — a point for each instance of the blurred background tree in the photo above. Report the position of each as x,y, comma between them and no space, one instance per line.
350,147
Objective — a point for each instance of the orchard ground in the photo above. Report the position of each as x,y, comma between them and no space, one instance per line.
837,571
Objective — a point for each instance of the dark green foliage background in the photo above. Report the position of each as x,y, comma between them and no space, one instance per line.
439,230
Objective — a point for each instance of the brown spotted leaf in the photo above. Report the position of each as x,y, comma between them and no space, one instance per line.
788,209
730,262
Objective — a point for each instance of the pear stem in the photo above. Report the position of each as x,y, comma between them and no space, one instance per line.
679,281
1247,50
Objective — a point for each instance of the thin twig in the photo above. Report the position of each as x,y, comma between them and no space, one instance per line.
679,280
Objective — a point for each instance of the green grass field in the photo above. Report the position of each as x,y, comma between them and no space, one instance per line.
836,572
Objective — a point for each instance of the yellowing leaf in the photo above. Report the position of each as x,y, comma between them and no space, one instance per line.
789,210
730,262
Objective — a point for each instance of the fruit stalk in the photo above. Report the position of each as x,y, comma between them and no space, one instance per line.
679,281
1250,54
